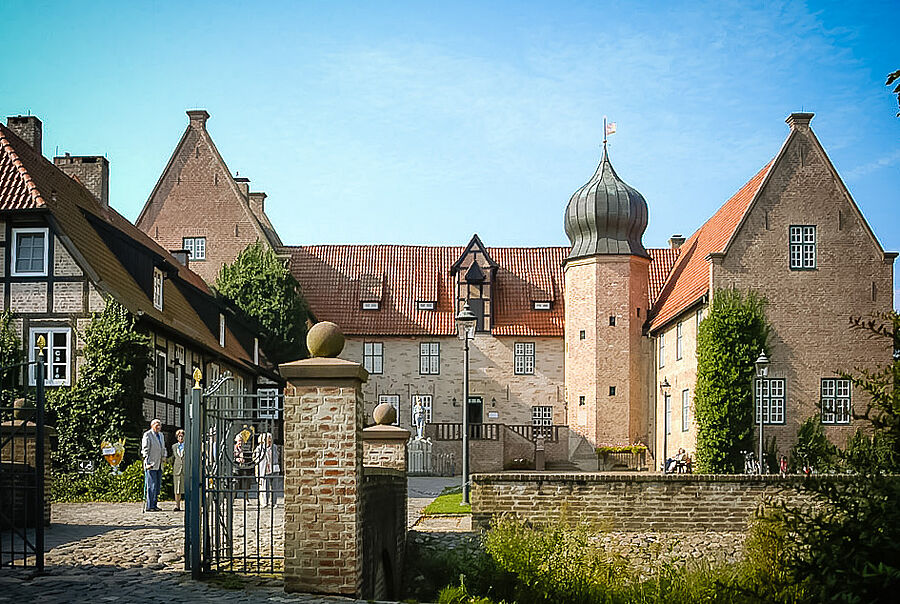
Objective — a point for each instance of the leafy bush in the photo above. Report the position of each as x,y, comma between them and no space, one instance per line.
867,454
105,402
11,354
813,448
730,339
104,486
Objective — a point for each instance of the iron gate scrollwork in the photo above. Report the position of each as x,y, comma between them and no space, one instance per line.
22,464
241,485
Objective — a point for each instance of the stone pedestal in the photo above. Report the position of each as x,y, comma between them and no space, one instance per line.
385,447
323,464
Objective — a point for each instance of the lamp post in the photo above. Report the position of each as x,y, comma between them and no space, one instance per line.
762,370
465,327
664,388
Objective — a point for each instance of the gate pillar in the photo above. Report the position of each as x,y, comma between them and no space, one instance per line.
323,469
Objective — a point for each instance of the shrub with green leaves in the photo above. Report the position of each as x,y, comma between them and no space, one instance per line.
102,485
105,402
258,282
729,341
813,448
11,355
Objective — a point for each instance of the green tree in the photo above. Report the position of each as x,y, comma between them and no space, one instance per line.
813,448
107,399
258,282
11,354
730,339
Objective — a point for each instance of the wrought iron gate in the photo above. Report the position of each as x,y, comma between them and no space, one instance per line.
22,470
241,505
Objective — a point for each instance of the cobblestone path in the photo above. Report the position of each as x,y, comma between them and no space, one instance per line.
112,552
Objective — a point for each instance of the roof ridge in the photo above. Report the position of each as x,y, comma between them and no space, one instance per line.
27,180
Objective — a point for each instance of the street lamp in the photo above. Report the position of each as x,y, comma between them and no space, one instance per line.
762,370
465,329
664,388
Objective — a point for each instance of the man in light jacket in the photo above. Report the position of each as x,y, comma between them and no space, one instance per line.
153,449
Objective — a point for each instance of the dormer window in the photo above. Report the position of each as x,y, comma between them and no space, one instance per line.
422,305
221,330
157,289
542,305
371,305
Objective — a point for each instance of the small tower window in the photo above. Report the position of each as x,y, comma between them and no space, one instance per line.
581,401
612,390
582,335
612,320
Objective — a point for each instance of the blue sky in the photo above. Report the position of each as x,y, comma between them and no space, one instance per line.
416,122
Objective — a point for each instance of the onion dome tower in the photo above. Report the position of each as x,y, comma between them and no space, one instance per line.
606,284
606,216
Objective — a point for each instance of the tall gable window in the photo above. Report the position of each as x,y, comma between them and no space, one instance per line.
429,358
524,362
662,348
56,355
196,247
161,372
803,246
685,411
29,252
835,401
157,289
373,357
679,336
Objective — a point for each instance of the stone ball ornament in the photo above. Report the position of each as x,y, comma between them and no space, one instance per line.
385,414
325,339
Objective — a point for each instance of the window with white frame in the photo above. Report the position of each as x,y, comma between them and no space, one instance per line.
770,400
542,415
157,289
803,246
685,411
661,355
373,357
195,246
835,401
394,400
58,370
29,252
161,372
679,336
221,330
425,399
429,358
699,320
524,358
268,403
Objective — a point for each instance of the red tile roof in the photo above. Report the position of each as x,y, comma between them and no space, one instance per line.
663,260
689,277
334,277
19,191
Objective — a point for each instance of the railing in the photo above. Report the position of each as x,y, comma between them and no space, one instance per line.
453,431
531,432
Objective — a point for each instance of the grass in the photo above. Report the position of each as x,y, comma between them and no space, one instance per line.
449,502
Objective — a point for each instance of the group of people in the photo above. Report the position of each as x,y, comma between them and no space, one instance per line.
679,463
153,450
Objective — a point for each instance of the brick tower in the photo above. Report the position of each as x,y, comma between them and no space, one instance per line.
606,281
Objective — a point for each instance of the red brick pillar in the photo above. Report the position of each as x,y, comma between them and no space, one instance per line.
323,463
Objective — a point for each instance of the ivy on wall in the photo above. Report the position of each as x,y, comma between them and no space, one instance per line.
106,401
729,341
11,355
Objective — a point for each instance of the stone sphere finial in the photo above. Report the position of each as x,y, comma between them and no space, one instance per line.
325,339
385,414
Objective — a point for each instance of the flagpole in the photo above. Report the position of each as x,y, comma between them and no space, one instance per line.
604,133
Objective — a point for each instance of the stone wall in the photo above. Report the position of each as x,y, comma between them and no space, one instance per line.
629,502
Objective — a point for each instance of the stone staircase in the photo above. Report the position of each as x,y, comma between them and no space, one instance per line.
582,455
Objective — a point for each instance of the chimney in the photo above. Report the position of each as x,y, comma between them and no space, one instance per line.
676,241
181,256
244,185
92,171
198,117
28,128
799,121
258,202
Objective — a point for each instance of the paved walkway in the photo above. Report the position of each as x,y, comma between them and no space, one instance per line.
112,552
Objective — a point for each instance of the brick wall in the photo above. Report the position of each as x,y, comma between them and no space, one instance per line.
385,447
631,502
491,377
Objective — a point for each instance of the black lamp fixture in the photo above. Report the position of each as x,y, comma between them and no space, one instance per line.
465,325
665,385
762,371
493,402
455,403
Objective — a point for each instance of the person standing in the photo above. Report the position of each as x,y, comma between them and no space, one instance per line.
178,468
266,456
153,450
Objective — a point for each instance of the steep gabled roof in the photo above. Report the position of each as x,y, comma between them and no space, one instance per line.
265,232
73,209
688,281
662,261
